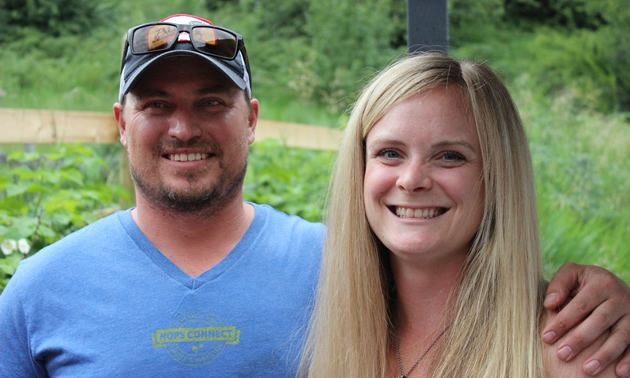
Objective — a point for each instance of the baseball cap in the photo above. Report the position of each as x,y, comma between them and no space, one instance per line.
234,64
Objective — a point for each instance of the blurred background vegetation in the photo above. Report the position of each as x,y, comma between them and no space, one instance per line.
565,61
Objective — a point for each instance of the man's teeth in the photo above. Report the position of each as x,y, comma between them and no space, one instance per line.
403,212
188,157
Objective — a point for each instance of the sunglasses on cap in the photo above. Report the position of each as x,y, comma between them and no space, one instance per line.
161,36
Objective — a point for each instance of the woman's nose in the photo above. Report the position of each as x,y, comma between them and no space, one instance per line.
414,177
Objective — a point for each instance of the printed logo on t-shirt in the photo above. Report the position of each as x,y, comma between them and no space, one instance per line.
195,338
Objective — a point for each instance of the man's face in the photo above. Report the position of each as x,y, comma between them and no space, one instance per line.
187,129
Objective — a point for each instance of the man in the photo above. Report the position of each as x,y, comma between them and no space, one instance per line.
193,281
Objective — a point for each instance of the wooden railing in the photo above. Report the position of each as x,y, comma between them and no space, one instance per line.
53,126
26,126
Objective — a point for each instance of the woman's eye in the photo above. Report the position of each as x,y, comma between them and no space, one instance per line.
389,154
452,156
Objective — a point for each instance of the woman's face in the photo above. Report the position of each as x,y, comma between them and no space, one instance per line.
423,188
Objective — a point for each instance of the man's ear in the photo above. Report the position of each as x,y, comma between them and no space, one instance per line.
252,120
120,120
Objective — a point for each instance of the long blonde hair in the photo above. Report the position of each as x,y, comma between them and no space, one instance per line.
494,310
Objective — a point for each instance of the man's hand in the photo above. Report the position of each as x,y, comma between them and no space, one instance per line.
594,301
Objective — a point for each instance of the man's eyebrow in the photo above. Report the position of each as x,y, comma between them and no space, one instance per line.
218,89
156,92
151,93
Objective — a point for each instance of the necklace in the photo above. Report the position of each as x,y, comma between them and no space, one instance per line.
403,375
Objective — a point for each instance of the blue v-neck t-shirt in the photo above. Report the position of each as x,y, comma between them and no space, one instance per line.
105,302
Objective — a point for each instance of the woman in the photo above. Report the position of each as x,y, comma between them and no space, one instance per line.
432,263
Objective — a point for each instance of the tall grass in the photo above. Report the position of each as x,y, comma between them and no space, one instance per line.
582,179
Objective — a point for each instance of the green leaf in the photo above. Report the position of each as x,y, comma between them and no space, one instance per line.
17,189
47,232
9,264
62,218
73,175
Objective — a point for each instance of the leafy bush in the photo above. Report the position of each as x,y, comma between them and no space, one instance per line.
53,17
291,180
45,196
579,61
462,13
70,72
590,56
572,13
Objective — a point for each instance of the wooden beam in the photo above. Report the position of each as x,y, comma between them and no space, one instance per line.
19,126
299,136
47,126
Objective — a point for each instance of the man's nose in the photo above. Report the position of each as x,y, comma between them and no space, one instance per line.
184,127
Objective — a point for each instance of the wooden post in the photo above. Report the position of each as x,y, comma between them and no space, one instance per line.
427,26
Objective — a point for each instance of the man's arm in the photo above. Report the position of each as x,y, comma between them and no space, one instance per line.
595,302
15,353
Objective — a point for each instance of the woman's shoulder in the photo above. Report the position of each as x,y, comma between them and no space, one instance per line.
555,367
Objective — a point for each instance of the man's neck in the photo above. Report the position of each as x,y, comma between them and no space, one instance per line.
195,242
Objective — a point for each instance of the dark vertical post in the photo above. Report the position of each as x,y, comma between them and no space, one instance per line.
427,26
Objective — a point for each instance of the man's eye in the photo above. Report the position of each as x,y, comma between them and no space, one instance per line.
154,105
211,102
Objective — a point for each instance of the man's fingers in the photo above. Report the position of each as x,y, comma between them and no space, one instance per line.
623,366
566,279
612,349
575,312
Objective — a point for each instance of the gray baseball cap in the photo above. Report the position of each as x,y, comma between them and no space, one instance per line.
181,35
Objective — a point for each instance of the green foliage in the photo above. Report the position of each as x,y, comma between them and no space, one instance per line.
320,50
345,38
45,196
571,13
314,52
586,61
464,13
583,184
70,72
591,61
289,179
52,17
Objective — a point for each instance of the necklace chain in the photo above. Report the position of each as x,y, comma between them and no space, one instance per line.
400,367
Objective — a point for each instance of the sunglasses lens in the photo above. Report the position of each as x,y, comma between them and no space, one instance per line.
153,38
214,41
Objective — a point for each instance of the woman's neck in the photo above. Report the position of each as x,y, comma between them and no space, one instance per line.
420,314
422,291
